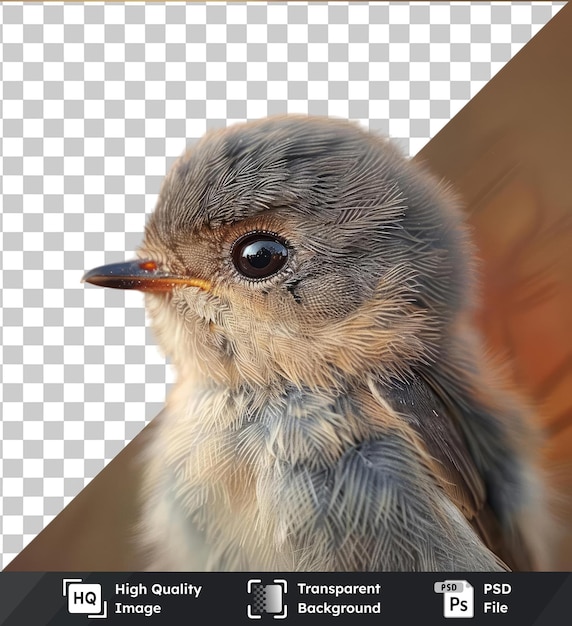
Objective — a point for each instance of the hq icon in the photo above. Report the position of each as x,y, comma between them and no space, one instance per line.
84,598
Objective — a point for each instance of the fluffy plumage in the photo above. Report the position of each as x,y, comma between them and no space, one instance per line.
338,414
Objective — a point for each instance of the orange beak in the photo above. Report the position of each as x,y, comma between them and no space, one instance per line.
141,275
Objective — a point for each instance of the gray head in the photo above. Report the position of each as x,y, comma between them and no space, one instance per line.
299,248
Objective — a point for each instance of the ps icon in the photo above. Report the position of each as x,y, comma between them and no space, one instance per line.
458,598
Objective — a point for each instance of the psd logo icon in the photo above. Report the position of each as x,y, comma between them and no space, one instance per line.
458,598
267,599
84,598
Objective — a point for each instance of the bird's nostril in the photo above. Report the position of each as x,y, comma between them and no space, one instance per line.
149,266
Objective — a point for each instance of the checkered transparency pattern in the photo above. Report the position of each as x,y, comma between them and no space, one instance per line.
97,100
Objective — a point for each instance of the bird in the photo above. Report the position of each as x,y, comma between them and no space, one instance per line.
335,408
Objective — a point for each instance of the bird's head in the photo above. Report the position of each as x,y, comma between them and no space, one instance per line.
302,249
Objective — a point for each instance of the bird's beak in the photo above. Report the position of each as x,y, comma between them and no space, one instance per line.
143,275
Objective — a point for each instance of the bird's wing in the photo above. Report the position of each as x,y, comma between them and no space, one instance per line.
435,421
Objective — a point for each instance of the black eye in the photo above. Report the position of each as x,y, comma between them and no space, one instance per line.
259,255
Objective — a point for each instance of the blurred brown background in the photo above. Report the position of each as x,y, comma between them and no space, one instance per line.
509,155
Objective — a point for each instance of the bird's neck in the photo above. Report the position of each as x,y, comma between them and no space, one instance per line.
246,460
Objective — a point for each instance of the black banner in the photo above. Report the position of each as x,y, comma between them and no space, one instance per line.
60,599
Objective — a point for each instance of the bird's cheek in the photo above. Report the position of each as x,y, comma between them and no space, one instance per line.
155,302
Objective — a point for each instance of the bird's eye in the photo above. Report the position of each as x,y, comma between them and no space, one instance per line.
259,255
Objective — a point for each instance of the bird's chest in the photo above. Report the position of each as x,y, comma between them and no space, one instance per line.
250,471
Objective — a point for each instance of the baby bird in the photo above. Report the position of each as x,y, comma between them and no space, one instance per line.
333,410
